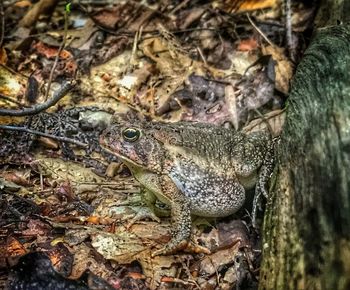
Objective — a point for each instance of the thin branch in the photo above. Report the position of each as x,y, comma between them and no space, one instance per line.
8,99
179,6
200,52
59,94
289,36
155,33
58,54
2,22
24,129
259,31
13,71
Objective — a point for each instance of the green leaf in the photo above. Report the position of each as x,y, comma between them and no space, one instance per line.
68,6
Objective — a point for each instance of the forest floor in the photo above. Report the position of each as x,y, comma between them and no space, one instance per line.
69,213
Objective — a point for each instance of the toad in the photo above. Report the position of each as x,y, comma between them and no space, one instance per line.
196,169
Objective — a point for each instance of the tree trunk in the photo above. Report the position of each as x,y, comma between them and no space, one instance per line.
307,220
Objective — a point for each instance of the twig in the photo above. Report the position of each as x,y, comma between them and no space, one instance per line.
13,71
59,94
24,129
2,22
133,58
58,53
39,8
6,98
200,52
180,6
155,33
265,120
259,31
289,37
132,33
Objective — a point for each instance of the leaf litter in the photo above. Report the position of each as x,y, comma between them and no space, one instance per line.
74,210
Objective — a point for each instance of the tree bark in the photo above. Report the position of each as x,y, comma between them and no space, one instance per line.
306,235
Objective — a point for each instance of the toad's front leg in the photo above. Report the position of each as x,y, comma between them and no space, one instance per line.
180,220
265,173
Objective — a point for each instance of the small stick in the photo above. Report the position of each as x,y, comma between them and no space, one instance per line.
259,31
8,99
62,139
289,36
179,6
59,94
200,52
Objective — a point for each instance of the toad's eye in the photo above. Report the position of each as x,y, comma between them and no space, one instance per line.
131,134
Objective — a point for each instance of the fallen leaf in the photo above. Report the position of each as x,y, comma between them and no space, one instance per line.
16,178
247,44
284,68
3,56
14,248
49,51
238,6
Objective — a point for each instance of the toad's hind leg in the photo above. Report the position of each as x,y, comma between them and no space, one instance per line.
180,220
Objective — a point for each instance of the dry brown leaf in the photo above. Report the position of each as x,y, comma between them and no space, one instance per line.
275,120
3,56
247,44
211,263
50,52
100,220
14,248
16,178
136,275
12,85
85,259
48,143
37,228
61,171
284,68
122,247
23,4
236,6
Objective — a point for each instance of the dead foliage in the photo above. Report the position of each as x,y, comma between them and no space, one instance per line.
71,214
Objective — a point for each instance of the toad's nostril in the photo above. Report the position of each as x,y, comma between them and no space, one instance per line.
105,135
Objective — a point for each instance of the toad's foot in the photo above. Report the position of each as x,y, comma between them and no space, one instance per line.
142,214
170,248
151,201
197,249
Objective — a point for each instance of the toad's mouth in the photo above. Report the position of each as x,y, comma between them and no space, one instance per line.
116,148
